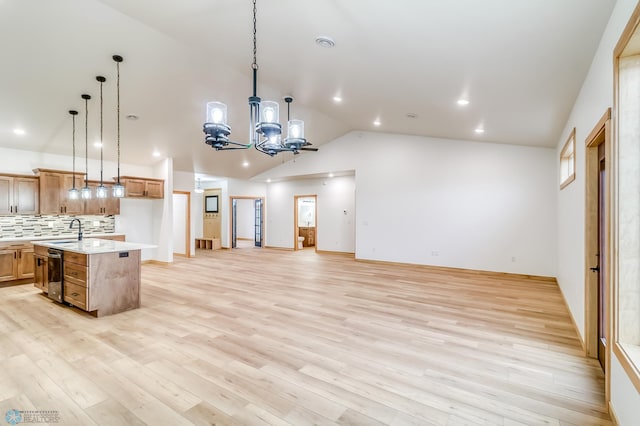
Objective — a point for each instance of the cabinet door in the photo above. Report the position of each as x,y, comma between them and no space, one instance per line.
94,205
155,189
71,206
40,272
25,195
134,188
6,195
8,264
111,204
50,190
26,263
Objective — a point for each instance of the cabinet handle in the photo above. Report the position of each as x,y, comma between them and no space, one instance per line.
75,294
15,254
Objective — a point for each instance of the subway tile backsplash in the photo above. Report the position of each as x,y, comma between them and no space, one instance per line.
43,226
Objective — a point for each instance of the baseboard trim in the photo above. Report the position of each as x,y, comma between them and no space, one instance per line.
155,262
463,270
573,321
279,248
612,413
342,253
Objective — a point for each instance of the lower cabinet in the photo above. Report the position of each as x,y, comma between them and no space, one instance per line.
41,268
75,279
16,261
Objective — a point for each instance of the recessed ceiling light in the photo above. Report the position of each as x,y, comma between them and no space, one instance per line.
479,130
325,41
156,153
19,131
97,144
269,180
463,102
337,99
330,175
377,123
245,164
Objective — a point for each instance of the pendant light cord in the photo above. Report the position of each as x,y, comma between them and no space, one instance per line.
118,113
101,141
86,142
73,139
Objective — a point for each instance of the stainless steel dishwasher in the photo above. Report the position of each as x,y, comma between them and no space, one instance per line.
54,269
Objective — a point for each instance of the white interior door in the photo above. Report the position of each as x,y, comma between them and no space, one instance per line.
180,214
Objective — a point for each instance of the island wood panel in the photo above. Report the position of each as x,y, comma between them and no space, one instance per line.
115,282
237,337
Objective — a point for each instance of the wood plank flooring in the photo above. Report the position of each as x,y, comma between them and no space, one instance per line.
260,336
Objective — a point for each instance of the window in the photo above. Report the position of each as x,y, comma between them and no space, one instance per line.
568,160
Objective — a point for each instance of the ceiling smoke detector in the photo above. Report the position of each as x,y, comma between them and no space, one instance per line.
325,41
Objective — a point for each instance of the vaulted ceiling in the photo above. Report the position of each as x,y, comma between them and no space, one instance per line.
404,62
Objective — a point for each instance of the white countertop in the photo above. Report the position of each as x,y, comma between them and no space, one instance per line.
73,236
92,245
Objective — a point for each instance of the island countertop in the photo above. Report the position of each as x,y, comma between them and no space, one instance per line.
92,245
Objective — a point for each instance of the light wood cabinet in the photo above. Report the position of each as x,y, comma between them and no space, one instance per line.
54,192
40,266
16,261
19,194
136,187
309,234
105,206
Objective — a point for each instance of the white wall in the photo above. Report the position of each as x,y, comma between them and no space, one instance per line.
163,213
443,202
595,97
335,222
180,238
185,181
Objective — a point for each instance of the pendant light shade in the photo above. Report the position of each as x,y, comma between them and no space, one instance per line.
118,188
85,192
74,194
199,189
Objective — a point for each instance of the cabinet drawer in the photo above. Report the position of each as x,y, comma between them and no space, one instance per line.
79,258
75,273
76,295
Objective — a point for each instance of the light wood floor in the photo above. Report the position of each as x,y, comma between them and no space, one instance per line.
259,336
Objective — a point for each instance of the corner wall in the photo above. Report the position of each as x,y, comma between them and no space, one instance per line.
595,97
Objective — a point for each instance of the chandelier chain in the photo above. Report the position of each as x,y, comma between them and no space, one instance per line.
255,49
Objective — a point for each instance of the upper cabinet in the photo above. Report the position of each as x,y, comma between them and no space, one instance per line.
18,194
136,187
106,206
54,192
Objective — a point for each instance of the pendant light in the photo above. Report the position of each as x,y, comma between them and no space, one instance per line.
74,194
101,190
199,189
118,188
85,192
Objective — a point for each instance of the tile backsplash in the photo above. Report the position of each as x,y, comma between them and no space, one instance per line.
45,225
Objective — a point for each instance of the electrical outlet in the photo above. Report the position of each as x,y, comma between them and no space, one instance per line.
513,259
435,253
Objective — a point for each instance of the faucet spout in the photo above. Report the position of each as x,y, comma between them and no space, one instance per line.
79,227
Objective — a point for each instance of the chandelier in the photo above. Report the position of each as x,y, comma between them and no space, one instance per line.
265,131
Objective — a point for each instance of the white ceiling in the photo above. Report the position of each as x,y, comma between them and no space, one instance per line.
520,63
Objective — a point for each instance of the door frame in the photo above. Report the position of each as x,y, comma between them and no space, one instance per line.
601,133
231,220
296,229
187,224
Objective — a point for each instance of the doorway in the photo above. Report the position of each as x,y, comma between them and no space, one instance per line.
181,223
305,222
247,222
597,243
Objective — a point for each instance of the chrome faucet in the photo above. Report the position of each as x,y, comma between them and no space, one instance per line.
79,228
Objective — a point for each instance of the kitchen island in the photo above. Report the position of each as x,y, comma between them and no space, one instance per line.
99,276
